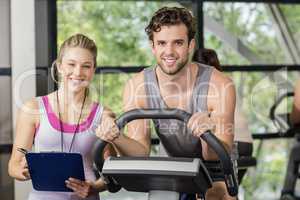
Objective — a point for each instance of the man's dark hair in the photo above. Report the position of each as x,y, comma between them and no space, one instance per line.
167,16
207,57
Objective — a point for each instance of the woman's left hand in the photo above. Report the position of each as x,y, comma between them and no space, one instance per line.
82,189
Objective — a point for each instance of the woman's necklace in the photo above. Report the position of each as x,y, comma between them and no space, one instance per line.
61,126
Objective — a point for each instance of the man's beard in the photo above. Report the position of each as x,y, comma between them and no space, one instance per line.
179,67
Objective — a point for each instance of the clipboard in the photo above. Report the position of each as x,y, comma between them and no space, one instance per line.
50,170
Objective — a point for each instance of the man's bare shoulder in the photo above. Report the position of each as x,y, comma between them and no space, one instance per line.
220,79
138,78
136,83
134,95
221,91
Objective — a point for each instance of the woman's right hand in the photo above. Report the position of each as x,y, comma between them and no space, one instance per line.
27,121
24,171
108,129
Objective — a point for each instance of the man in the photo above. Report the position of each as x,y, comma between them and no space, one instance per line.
175,82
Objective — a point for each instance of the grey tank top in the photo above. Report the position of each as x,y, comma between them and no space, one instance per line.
176,139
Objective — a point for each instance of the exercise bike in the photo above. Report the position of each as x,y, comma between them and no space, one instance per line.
165,177
281,121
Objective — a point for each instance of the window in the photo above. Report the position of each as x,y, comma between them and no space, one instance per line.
257,92
116,26
252,33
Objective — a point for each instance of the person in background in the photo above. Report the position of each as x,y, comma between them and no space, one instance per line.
295,114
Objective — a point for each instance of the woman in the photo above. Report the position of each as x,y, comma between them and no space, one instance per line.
64,120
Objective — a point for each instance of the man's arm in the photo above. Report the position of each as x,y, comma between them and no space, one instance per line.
137,141
295,114
221,106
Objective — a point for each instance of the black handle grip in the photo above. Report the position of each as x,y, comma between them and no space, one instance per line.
98,151
277,102
111,184
225,160
152,114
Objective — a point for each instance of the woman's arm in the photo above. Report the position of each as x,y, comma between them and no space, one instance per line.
27,119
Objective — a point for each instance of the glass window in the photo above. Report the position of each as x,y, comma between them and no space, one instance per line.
247,33
116,26
291,14
257,92
265,181
108,89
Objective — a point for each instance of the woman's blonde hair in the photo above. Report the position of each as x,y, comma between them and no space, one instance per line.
77,40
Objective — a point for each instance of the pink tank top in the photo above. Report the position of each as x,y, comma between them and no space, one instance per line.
48,138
